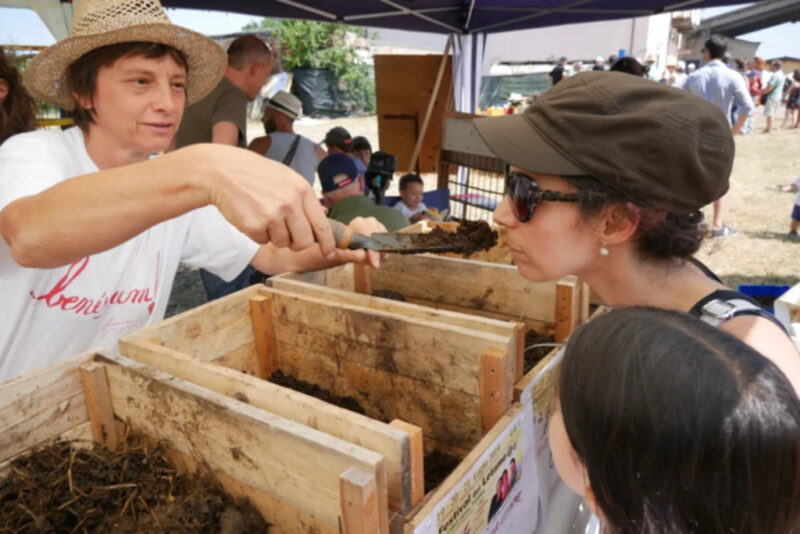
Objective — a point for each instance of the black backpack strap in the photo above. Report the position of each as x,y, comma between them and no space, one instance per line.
704,269
725,304
287,160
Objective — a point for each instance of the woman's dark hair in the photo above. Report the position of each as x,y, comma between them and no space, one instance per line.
661,235
681,427
82,73
629,65
18,110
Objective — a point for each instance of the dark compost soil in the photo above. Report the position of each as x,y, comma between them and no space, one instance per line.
349,403
60,488
534,356
438,465
388,294
470,237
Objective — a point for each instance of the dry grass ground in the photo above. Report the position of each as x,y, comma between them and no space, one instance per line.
759,255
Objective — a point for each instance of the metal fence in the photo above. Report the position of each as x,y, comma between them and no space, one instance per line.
475,182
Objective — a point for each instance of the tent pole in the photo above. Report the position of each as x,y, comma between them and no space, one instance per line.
429,111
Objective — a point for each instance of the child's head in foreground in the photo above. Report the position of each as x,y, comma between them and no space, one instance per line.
411,189
668,425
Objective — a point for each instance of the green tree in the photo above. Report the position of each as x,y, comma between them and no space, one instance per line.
322,45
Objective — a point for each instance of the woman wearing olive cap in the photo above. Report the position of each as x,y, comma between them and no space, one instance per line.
93,229
606,177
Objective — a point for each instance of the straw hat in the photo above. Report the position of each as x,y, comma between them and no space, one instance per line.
98,23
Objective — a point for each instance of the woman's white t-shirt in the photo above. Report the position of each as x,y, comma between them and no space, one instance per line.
48,315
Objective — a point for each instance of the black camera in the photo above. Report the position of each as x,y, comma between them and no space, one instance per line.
380,171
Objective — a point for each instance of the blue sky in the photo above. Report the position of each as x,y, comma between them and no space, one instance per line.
23,26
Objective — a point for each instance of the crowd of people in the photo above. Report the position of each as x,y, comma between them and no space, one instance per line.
677,412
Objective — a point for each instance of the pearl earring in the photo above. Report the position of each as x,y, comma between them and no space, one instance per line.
603,251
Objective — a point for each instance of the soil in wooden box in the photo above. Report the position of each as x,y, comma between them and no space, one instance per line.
62,488
534,355
437,464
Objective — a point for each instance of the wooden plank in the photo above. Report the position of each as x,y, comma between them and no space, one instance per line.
497,383
416,459
211,330
283,518
362,279
583,305
522,384
444,414
243,359
391,443
98,404
521,330
43,426
359,502
26,396
264,335
428,313
463,468
566,308
479,286
439,354
269,453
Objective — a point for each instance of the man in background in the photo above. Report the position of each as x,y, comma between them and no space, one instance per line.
557,74
343,189
723,86
221,117
773,93
281,142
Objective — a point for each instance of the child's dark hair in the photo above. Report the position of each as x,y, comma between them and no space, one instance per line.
410,178
681,427
660,235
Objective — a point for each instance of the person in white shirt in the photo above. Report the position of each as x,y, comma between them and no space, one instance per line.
94,228
410,203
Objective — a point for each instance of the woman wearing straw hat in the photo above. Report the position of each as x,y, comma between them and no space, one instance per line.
606,174
93,229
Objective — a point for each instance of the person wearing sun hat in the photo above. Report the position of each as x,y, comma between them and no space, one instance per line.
606,174
281,142
94,228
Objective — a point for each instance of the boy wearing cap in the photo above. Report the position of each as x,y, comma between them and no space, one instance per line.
281,142
339,141
343,189
94,229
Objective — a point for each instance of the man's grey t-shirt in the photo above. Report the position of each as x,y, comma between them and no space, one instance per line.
305,158
226,103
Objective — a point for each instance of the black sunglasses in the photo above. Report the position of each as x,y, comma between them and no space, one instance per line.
525,194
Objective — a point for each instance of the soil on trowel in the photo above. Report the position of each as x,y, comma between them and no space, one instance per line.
349,403
470,237
438,465
61,488
535,355
388,294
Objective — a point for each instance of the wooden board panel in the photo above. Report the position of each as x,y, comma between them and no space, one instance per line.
479,286
438,354
483,324
444,414
392,443
264,451
28,395
211,330
395,97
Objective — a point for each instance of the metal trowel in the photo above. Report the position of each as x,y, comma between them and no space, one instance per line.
385,242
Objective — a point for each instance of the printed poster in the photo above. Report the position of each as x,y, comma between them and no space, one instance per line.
499,494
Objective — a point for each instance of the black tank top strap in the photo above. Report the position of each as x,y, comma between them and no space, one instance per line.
704,268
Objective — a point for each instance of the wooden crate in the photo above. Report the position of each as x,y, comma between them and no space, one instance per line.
427,379
300,479
473,287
